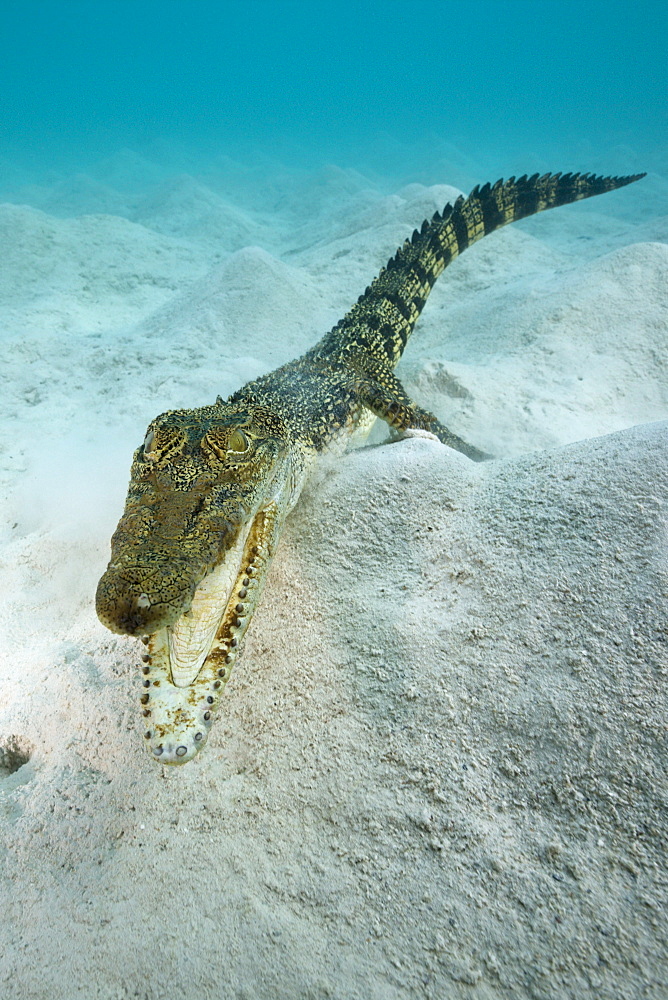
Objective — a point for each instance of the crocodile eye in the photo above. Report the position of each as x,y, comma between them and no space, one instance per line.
224,443
238,441
149,442
164,444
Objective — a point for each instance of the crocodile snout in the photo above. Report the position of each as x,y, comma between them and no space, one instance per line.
130,609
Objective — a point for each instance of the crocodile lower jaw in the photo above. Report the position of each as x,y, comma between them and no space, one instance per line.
188,664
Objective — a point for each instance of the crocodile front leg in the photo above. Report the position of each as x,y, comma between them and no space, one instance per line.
386,397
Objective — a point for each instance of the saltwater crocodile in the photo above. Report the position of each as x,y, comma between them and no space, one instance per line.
210,488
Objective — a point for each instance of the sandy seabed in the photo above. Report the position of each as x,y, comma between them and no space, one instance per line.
439,769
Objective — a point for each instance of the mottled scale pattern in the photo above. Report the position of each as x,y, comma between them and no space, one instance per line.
211,487
380,323
323,395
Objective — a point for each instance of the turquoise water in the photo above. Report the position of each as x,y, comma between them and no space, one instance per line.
379,86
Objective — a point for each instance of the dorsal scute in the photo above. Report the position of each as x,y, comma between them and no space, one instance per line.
383,318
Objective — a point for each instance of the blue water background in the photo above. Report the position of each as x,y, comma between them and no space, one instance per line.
399,88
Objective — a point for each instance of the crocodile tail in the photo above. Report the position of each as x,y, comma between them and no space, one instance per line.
382,319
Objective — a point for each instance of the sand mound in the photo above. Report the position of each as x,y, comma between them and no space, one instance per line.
439,768
439,765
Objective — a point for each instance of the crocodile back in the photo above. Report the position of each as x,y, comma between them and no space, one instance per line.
378,326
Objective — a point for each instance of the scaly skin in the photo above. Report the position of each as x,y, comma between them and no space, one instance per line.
210,488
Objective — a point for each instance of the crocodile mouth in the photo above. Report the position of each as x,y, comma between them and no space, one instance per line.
187,664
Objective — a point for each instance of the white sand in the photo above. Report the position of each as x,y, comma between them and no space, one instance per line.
439,770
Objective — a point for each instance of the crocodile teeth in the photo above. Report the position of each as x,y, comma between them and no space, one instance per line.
182,683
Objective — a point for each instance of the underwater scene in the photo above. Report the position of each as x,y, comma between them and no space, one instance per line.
358,689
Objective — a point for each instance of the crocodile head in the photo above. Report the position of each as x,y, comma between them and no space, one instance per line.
209,490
